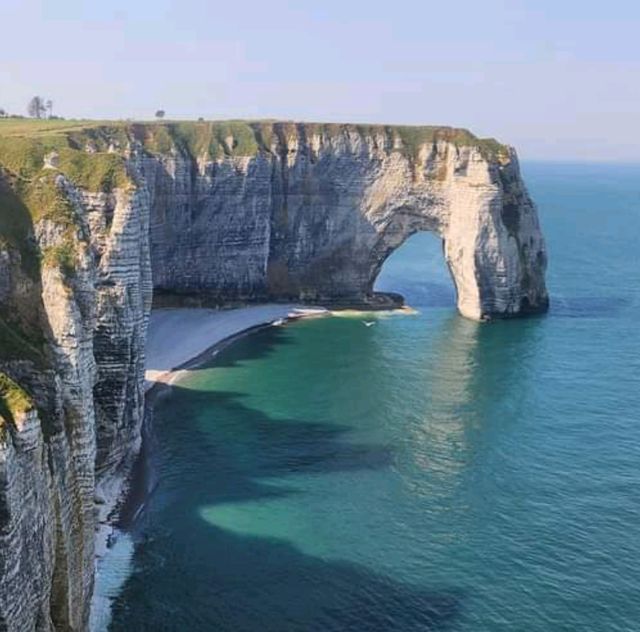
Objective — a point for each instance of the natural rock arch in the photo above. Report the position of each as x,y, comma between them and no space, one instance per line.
313,218
491,240
223,211
384,251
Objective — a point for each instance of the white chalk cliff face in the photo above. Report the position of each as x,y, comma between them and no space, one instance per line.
62,459
315,217
304,212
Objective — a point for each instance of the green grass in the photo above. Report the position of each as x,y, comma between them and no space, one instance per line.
28,192
14,401
94,172
24,156
35,127
15,398
62,256
45,200
205,138
264,134
243,139
208,139
413,138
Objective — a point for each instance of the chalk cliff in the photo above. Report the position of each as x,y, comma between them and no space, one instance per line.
212,212
314,215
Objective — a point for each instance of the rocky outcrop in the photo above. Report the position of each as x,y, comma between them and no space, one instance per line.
314,217
221,213
78,351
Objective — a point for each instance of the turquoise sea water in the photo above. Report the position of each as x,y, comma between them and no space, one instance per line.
424,473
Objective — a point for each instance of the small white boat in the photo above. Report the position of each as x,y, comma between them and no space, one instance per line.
368,323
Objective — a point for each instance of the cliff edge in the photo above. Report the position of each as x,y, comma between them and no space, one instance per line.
95,218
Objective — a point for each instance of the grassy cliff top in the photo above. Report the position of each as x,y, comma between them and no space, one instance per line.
33,153
216,139
91,154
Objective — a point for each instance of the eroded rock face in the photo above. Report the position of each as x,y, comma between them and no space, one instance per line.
314,219
309,214
84,431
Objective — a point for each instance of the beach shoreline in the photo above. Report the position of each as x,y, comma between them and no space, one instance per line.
178,339
182,338
201,333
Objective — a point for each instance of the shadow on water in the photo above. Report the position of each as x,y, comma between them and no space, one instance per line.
243,348
190,574
215,453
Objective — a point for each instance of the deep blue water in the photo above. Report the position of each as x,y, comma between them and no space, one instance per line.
424,473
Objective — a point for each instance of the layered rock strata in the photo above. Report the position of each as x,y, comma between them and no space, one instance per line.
213,213
314,217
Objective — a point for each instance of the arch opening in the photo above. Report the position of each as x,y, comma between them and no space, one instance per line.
418,271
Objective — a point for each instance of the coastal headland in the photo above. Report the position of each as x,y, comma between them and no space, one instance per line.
100,220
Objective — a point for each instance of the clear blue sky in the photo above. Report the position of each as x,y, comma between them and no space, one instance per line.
557,78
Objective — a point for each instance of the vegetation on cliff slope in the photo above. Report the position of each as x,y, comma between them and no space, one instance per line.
81,162
91,155
209,140
14,401
23,203
32,156
206,139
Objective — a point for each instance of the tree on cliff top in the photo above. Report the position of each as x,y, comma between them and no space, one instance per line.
36,107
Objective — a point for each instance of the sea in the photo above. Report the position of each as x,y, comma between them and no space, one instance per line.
413,471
